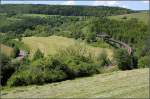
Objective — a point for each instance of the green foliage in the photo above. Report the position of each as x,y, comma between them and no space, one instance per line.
79,23
39,30
16,52
141,16
8,40
91,37
103,59
78,50
10,14
126,81
79,27
134,61
38,55
124,60
124,17
6,68
144,59
144,62
26,60
21,25
77,66
78,61
63,10
20,38
16,64
100,43
39,72
146,49
59,67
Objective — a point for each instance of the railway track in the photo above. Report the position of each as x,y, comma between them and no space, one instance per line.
124,45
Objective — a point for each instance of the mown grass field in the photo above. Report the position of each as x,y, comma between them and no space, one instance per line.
6,50
118,84
51,45
37,15
142,16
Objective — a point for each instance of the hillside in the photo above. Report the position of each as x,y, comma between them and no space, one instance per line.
50,45
124,84
142,16
62,51
63,10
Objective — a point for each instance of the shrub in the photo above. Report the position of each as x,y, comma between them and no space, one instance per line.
144,62
78,66
59,67
6,68
78,61
16,64
134,61
124,17
38,72
38,54
19,78
103,59
16,52
26,60
10,14
123,60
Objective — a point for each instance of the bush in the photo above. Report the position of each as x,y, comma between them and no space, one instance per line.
6,68
38,54
78,66
134,61
144,62
124,60
91,37
38,72
16,52
103,59
59,67
9,67
124,17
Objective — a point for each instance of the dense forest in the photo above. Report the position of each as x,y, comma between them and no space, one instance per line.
78,22
64,10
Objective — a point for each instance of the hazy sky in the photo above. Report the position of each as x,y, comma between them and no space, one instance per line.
135,5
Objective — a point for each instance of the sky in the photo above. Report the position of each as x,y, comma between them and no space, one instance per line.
134,5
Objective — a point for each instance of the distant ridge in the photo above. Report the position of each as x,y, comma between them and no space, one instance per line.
64,10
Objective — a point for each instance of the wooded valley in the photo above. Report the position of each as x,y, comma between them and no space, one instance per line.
50,43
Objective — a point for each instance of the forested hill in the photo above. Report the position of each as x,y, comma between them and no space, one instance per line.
64,10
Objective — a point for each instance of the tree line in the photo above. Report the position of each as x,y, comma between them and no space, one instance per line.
63,10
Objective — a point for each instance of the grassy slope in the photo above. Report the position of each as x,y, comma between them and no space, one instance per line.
142,16
6,50
133,83
50,45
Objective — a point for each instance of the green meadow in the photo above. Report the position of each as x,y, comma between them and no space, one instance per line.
50,45
141,16
118,84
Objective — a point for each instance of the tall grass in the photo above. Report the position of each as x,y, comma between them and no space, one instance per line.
78,49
